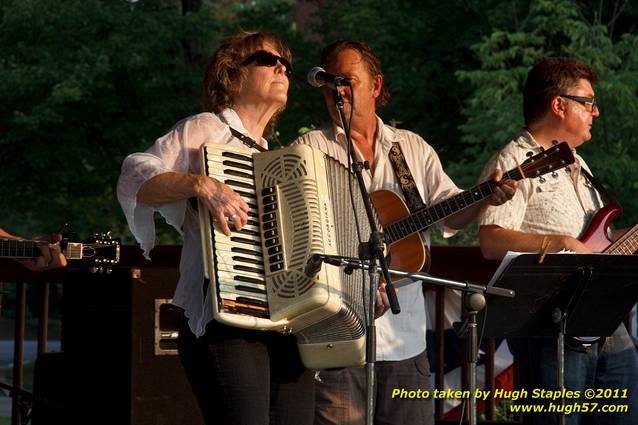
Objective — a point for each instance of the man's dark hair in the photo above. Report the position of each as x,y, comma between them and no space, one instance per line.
371,60
549,78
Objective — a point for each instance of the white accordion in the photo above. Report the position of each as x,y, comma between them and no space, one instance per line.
300,205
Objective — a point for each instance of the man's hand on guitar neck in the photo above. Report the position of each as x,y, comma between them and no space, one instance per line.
504,192
501,194
51,257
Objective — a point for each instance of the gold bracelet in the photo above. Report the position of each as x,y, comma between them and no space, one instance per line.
544,248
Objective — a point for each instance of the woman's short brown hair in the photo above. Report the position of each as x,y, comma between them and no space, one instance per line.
225,74
371,60
549,78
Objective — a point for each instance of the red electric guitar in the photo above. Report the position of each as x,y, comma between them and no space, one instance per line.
596,239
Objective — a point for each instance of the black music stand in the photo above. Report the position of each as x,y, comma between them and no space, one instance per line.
565,295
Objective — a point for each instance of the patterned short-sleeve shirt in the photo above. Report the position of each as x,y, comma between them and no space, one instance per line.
554,203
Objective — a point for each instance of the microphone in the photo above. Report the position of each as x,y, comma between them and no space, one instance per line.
313,266
318,77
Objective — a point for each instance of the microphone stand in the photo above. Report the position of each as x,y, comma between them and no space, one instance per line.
473,302
373,252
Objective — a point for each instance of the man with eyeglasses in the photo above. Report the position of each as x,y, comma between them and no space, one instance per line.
549,214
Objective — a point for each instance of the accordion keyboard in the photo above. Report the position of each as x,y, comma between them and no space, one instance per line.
240,263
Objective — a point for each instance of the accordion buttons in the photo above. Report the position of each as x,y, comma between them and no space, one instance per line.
274,250
271,242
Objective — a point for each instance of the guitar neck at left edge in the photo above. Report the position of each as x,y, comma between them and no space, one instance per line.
99,251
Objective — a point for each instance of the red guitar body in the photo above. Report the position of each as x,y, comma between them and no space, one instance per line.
595,237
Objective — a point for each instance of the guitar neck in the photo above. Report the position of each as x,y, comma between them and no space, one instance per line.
426,217
18,248
627,244
25,248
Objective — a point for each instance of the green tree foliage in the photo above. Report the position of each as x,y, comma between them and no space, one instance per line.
83,83
556,28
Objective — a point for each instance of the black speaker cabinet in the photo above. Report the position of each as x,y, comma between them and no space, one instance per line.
119,346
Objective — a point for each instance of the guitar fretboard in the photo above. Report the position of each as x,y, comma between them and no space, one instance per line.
627,244
428,216
18,248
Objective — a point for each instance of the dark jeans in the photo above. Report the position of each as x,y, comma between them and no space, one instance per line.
247,377
341,394
613,366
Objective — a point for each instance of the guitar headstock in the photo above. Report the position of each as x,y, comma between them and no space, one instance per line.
102,251
554,158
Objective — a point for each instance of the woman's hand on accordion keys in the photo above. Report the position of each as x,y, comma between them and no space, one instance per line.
224,204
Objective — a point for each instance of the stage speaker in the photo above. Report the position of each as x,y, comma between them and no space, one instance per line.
119,338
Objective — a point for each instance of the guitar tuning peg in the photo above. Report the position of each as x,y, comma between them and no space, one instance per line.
541,179
554,174
92,269
554,142
529,154
108,270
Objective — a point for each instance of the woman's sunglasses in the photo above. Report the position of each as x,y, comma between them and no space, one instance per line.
264,58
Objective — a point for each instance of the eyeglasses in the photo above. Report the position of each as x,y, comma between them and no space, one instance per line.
585,101
264,58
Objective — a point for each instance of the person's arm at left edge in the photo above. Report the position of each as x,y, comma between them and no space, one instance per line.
503,193
51,257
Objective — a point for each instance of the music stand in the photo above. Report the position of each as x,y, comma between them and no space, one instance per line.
566,295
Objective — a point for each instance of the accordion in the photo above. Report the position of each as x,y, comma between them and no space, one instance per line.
300,204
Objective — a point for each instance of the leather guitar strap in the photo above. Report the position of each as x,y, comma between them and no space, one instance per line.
406,181
607,196
609,199
411,194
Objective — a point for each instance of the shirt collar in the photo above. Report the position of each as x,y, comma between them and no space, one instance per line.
526,141
230,117
385,135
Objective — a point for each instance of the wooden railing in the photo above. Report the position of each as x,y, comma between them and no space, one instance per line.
456,263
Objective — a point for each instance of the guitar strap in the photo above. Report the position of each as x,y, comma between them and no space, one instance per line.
406,181
609,199
411,194
607,196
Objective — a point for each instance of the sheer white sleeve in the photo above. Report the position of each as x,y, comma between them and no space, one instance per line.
177,151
